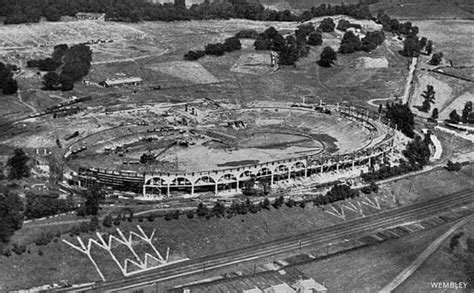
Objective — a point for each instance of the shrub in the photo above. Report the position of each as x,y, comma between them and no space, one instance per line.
107,222
315,39
19,249
247,34
366,190
151,218
215,49
194,55
190,214
40,253
327,25
453,166
168,217
117,221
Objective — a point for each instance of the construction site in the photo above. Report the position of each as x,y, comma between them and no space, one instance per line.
196,150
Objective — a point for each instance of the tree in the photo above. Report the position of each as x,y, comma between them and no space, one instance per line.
202,210
315,39
93,197
411,47
429,47
418,152
434,114
107,222
428,98
402,117
51,81
266,204
52,14
436,58
454,117
10,86
194,55
327,58
215,49
18,165
327,25
423,41
232,44
11,217
466,112
350,43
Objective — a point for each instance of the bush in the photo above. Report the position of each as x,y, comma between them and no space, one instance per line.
40,253
247,34
44,239
151,218
107,222
453,166
215,49
117,221
327,25
366,190
190,214
315,39
232,44
194,55
19,249
176,215
168,216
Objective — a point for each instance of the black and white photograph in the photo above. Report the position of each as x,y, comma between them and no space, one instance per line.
237,146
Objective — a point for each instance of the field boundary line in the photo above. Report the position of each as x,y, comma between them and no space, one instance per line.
408,271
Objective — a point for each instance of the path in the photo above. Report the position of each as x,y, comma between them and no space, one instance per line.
20,98
371,102
125,59
406,94
407,272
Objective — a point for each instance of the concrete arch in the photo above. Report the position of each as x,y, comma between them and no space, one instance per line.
156,181
247,174
226,178
281,169
265,171
179,180
205,180
298,166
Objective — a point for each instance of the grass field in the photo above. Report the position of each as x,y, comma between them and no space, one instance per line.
369,269
197,237
442,266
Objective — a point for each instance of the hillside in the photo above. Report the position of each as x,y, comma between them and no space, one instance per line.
402,9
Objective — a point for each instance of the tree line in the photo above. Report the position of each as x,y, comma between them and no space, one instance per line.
25,11
215,49
65,66
8,84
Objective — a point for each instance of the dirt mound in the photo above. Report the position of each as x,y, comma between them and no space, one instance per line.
252,63
191,71
367,62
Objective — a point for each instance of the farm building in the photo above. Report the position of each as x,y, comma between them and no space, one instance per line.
90,16
116,82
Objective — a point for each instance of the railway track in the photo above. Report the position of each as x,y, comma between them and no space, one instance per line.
350,229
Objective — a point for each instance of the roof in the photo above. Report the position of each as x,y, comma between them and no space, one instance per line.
92,14
115,81
254,290
281,288
308,284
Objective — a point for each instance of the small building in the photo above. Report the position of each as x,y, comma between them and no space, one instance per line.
90,16
309,286
281,288
254,290
123,81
